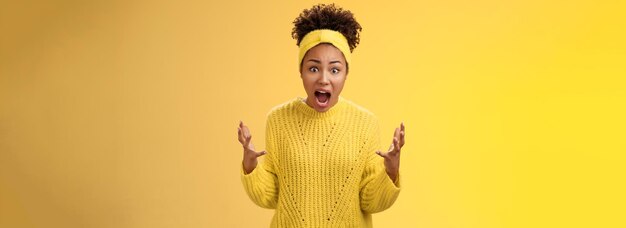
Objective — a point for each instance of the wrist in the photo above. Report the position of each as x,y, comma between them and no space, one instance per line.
249,165
393,174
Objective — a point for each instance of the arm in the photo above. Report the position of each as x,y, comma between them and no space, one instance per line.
380,184
260,182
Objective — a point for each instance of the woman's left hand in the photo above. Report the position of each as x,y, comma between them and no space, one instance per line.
392,157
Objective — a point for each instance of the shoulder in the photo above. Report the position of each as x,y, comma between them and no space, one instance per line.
364,122
359,112
282,112
282,109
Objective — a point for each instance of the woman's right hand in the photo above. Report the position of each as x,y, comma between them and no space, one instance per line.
249,154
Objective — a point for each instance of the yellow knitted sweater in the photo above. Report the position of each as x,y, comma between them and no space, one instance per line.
321,169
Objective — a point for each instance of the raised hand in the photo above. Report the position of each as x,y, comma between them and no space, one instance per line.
392,157
249,154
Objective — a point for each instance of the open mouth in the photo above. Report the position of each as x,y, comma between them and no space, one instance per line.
322,98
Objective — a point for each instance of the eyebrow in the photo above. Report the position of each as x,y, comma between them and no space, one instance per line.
318,61
335,61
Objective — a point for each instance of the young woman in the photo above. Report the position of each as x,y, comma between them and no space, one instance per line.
322,166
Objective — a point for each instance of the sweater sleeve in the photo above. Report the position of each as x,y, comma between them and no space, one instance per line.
261,184
378,191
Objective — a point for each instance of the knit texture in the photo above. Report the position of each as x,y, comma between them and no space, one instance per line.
321,169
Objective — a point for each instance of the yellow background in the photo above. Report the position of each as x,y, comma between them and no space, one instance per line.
124,113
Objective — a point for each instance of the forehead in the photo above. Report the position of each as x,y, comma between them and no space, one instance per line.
324,51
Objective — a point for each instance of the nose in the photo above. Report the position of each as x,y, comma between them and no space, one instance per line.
324,80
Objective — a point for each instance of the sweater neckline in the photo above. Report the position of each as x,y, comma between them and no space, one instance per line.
304,108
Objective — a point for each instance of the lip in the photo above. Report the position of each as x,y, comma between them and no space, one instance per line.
325,105
323,90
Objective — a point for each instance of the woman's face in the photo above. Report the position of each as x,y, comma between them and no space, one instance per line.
323,74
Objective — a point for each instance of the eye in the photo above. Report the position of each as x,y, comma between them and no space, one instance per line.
313,69
334,70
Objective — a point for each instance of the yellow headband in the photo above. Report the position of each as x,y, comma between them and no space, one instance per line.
319,36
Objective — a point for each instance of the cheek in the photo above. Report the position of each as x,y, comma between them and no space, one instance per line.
307,82
338,83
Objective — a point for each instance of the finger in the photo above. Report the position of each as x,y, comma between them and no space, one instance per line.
384,155
401,139
242,125
392,147
396,144
246,132
246,142
402,133
245,135
240,137
261,153
396,133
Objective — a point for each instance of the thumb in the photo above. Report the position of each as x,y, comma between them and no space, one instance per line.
380,153
259,154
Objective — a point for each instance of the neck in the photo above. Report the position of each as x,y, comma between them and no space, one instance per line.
306,108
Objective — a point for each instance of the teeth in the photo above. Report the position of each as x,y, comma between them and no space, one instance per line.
321,92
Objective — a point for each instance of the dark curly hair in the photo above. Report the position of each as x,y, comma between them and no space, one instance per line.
331,17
